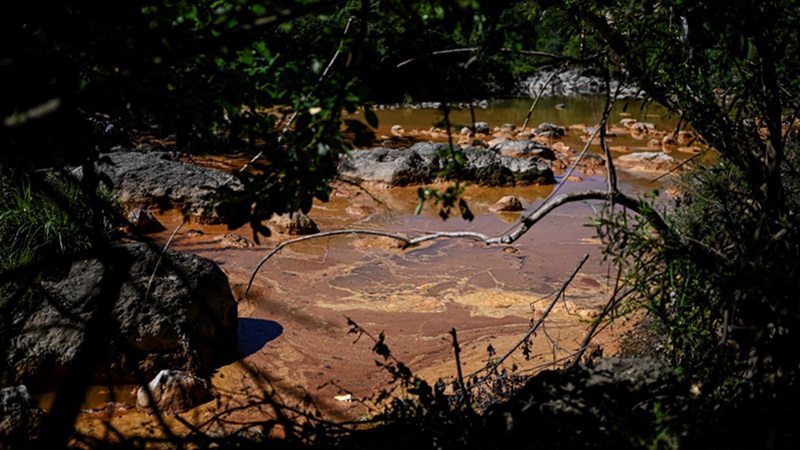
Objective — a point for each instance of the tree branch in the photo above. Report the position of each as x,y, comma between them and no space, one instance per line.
509,237
539,95
289,122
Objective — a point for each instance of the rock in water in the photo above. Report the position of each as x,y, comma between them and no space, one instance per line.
173,391
646,162
523,148
553,130
507,204
481,128
423,163
143,222
154,180
232,240
295,224
398,130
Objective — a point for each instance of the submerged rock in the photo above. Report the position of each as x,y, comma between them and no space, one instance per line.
295,224
232,240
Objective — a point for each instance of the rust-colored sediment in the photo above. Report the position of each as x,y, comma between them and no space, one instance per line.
304,295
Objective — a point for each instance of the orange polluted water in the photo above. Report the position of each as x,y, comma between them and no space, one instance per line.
295,349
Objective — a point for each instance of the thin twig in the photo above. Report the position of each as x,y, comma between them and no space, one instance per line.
161,256
539,95
611,173
539,322
611,305
679,166
462,386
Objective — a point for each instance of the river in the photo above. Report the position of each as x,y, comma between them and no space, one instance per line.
295,347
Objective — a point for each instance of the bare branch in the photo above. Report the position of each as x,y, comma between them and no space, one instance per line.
539,95
613,302
439,52
539,322
161,256
552,56
461,385
611,177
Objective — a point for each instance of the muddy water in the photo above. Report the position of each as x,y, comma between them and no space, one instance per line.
558,110
295,347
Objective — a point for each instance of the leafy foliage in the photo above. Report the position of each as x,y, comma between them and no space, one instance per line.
721,281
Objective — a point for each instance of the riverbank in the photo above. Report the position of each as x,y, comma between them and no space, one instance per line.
295,348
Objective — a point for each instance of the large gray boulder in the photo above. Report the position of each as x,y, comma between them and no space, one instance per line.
488,168
105,315
574,82
155,180
386,166
422,163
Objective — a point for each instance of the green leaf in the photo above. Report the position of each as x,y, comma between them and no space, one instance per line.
259,10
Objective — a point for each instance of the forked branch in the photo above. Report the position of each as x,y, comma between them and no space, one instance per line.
506,238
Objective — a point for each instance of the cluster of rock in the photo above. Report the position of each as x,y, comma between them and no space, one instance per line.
482,104
424,162
505,155
574,82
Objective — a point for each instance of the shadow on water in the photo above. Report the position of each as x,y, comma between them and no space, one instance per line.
255,333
